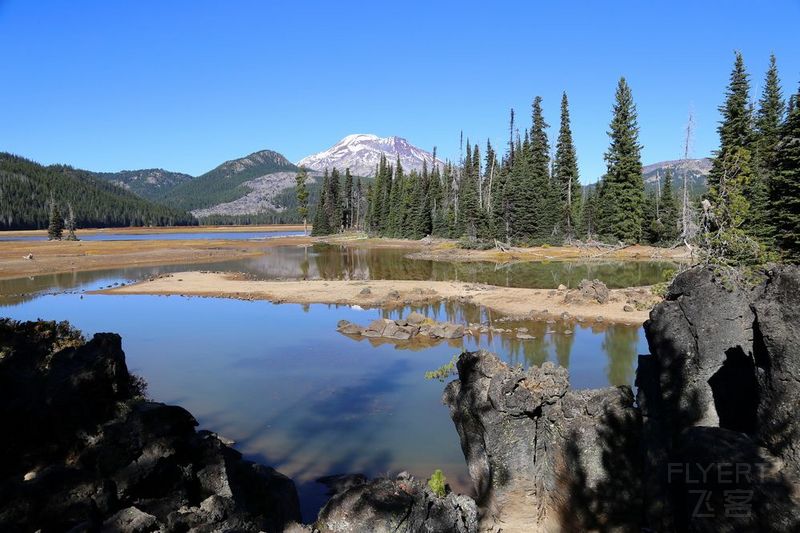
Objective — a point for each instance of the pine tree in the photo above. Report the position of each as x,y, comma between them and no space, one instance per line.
565,173
669,212
769,119
301,192
358,199
69,224
545,214
333,202
347,200
736,128
652,227
396,202
785,190
737,192
55,229
469,218
770,115
422,224
621,201
588,218
321,217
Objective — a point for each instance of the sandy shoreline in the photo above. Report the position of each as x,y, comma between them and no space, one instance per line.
66,256
140,230
540,303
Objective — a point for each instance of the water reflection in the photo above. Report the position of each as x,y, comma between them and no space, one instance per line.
341,262
296,394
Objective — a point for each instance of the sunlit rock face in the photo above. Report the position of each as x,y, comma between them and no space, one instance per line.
709,445
542,456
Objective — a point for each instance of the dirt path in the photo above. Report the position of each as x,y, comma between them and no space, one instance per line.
541,303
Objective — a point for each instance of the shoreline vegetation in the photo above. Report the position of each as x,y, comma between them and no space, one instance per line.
54,257
510,301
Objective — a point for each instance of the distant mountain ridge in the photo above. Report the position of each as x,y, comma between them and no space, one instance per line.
696,170
226,182
361,153
150,183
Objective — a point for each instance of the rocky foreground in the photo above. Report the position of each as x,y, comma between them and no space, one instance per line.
709,444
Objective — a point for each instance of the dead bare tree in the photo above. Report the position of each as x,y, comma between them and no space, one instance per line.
686,221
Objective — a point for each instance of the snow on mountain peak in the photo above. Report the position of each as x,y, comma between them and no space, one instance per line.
361,153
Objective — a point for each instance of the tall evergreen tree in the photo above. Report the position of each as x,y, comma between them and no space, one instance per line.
736,129
565,173
347,200
358,199
55,230
333,202
737,190
545,213
669,211
785,190
469,219
588,218
770,114
621,201
768,121
321,212
301,192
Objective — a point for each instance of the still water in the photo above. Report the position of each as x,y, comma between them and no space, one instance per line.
295,394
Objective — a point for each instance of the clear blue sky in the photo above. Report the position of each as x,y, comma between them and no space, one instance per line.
185,85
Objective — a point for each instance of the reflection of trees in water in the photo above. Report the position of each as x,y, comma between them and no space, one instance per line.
619,345
563,344
341,262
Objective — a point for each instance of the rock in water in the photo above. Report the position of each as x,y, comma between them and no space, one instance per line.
542,456
86,451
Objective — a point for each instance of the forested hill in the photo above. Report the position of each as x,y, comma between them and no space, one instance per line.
225,183
26,188
151,183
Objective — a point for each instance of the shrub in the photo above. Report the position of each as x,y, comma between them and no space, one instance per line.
444,371
437,483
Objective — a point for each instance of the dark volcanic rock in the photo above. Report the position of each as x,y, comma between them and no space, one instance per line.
86,451
542,456
397,505
721,388
413,325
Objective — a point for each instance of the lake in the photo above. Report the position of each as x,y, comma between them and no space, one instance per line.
297,395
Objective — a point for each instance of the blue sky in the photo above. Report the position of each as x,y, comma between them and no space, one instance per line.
185,85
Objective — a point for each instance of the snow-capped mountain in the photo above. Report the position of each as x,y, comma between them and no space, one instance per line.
362,152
